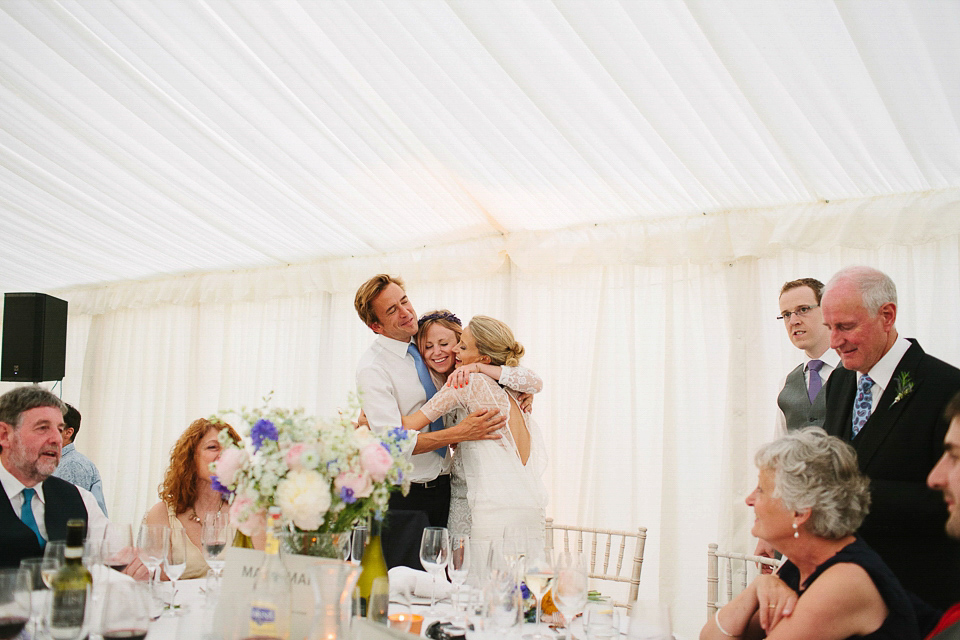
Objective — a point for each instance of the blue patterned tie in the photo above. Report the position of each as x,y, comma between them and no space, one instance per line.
427,382
863,404
26,515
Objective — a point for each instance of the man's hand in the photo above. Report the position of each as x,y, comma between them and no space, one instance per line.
765,550
481,425
361,420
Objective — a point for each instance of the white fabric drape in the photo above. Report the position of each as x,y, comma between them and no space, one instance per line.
660,381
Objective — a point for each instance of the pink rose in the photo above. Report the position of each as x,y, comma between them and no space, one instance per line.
351,486
244,513
376,461
228,464
293,456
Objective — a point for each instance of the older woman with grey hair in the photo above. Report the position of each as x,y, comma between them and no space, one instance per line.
809,501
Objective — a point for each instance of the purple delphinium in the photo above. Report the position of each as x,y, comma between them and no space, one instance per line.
263,430
346,494
398,433
215,483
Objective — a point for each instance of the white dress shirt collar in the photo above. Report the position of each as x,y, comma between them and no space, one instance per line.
14,487
396,347
882,372
829,358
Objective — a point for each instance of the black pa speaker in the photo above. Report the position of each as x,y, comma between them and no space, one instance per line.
34,337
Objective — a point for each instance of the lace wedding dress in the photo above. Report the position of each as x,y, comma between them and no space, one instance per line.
491,488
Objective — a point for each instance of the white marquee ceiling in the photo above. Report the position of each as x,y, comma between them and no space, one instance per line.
143,139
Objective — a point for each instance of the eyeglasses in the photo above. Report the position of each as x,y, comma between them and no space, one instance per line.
799,312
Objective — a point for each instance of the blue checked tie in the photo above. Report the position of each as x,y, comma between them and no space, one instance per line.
26,515
431,390
863,404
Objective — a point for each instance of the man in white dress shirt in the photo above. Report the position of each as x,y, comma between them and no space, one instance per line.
391,387
31,421
802,401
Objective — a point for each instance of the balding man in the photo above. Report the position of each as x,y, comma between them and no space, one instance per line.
888,400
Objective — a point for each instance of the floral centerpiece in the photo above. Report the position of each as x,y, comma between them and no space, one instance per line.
323,475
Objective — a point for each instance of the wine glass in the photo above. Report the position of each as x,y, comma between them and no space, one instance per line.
538,570
215,536
126,611
434,553
39,592
569,584
52,561
459,565
358,542
117,550
175,562
502,603
15,591
151,543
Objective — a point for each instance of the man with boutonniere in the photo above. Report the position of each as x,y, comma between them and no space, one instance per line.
887,400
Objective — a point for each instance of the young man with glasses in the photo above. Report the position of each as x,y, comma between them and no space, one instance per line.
801,401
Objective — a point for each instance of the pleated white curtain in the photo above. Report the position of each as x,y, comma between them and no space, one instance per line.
660,381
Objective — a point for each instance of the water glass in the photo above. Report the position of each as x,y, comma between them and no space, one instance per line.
601,620
649,620
458,567
126,611
151,545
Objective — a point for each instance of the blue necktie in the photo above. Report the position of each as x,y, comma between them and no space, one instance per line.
26,515
428,386
863,404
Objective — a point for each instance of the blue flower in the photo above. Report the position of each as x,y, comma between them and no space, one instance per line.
524,590
263,430
346,494
398,433
215,483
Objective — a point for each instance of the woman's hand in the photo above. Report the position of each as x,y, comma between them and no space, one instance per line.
775,601
461,376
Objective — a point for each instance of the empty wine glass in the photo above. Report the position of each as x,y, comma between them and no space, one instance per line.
215,536
151,544
459,565
39,592
117,550
126,611
569,584
358,542
434,554
175,562
15,590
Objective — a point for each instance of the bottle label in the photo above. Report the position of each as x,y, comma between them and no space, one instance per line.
68,608
263,618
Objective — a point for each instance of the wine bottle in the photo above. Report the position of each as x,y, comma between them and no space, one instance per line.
71,586
270,597
373,566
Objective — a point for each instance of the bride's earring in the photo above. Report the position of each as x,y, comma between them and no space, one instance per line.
796,532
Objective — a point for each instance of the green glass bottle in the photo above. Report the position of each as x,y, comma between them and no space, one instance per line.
71,586
374,574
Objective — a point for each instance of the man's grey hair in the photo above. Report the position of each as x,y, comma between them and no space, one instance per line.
816,471
876,288
16,401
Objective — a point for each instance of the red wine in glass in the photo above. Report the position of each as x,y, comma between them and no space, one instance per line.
11,626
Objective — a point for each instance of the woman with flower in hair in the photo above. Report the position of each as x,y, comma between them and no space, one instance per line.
189,492
504,489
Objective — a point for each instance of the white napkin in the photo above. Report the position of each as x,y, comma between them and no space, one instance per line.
420,583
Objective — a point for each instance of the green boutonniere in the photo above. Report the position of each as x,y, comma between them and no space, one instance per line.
904,387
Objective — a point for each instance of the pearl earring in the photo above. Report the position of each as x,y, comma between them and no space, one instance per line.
796,534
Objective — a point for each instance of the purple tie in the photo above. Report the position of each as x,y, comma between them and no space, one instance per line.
815,382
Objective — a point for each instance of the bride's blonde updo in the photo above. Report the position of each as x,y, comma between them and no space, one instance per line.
495,340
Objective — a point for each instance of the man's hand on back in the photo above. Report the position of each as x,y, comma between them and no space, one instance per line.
481,425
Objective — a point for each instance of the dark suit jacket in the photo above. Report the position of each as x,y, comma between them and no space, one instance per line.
896,449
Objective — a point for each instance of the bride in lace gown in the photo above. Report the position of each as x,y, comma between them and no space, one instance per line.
504,489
